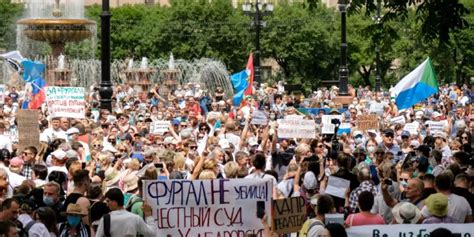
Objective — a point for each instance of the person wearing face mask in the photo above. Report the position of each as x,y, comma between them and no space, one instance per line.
51,198
74,225
358,138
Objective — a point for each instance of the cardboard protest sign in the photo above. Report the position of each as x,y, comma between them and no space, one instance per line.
289,215
28,128
2,94
409,230
327,127
296,128
219,207
367,122
259,118
159,127
65,101
398,120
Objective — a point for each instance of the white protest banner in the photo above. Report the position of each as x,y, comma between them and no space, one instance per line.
65,101
337,186
296,128
259,118
2,94
405,230
12,135
412,128
294,116
398,120
218,207
436,126
327,127
159,127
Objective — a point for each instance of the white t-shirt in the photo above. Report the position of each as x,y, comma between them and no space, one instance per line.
57,168
5,143
458,208
49,134
258,175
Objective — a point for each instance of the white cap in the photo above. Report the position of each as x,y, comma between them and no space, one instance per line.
59,154
72,130
419,114
436,114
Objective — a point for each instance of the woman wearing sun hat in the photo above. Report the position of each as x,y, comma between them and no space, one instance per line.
437,205
74,226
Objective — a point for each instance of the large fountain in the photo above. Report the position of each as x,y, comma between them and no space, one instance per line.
56,22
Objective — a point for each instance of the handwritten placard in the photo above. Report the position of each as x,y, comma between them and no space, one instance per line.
159,127
367,122
259,118
327,126
218,207
296,128
398,120
65,101
2,94
436,126
412,128
28,128
289,215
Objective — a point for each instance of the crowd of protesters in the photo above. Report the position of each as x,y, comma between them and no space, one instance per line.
86,176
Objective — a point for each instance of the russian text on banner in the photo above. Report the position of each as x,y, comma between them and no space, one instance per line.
296,128
289,215
66,101
220,207
405,230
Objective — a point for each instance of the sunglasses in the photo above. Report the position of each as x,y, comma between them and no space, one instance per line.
380,153
97,145
464,137
193,147
320,146
406,180
26,153
389,135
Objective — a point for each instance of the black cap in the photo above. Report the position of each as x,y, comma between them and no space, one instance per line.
388,131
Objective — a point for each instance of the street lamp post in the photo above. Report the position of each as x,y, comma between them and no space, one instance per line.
105,90
378,77
257,11
343,70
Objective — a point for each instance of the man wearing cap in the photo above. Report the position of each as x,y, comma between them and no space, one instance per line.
389,146
73,136
58,161
440,144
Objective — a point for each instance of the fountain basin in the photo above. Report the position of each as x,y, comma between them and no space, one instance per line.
57,32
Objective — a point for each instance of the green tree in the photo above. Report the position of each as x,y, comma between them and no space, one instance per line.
9,12
303,42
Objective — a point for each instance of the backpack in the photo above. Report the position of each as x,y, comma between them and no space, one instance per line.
133,200
25,229
307,227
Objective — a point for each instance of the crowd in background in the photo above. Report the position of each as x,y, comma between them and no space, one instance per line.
86,176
